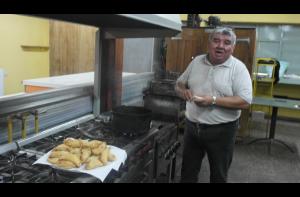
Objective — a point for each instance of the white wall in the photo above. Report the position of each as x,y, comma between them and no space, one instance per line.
1,82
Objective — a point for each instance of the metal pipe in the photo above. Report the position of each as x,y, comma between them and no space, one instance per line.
36,120
8,147
9,129
36,123
23,119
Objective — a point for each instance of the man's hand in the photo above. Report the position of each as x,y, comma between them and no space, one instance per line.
231,102
187,94
183,91
203,100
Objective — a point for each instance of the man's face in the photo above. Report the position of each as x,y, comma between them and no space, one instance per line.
220,48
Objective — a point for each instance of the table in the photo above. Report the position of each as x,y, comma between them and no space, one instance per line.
275,103
288,89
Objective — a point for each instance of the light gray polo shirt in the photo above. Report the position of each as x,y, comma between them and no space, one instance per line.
228,79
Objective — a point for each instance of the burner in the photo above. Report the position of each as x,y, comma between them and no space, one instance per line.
133,135
62,176
16,166
43,177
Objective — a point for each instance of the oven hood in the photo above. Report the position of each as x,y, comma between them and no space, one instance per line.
125,25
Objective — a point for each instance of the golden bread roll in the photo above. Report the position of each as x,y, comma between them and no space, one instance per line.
72,142
84,143
99,149
57,154
94,144
78,155
75,151
72,158
92,163
53,160
62,147
65,164
104,156
85,154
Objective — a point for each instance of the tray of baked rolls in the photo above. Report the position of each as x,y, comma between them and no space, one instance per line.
93,157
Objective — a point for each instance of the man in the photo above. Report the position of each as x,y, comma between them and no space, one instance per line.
216,87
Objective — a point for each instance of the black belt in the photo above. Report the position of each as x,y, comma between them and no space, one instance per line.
198,125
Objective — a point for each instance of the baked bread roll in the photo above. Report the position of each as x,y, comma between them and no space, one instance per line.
65,164
93,162
73,153
62,147
85,154
72,143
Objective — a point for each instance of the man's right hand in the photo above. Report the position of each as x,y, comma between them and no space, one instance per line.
187,94
183,91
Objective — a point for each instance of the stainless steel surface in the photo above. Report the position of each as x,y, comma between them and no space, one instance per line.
133,86
27,102
97,75
125,25
139,166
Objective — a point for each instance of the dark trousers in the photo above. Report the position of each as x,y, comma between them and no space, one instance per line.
215,140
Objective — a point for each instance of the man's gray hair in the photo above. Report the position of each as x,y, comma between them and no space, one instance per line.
224,31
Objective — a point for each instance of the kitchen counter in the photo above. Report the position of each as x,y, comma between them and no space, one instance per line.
33,85
289,81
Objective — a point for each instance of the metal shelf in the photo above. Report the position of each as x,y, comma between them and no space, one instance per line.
34,48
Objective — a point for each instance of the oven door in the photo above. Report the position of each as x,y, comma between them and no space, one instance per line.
166,147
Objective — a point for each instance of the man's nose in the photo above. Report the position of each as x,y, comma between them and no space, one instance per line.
221,45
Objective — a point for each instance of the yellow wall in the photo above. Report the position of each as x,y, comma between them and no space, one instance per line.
20,64
254,18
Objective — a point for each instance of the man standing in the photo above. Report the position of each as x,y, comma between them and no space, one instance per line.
216,87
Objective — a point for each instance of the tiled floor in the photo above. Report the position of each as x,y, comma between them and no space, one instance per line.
254,164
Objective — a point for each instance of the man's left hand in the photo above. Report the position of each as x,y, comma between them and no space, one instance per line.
203,100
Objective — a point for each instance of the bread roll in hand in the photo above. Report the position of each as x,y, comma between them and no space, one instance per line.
198,99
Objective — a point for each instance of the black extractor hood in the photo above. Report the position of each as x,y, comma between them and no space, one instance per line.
125,25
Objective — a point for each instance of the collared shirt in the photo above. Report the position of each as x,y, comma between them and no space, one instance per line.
228,79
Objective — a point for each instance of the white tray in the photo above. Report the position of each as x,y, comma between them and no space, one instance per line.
100,172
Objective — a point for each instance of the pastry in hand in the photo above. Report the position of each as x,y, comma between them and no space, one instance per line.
198,98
